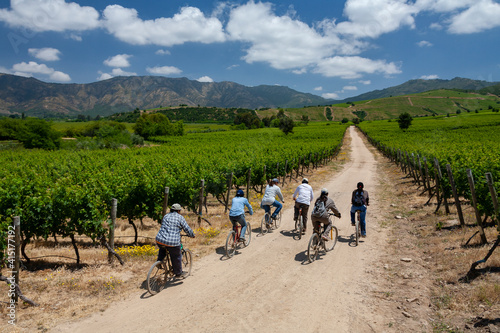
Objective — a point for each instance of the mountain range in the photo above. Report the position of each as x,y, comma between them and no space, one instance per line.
32,97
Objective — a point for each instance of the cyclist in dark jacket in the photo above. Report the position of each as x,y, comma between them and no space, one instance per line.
359,201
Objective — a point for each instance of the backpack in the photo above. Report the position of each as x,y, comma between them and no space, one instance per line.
319,209
359,199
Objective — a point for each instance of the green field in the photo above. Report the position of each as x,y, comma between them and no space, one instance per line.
468,141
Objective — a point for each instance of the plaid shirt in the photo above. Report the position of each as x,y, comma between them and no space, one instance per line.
170,230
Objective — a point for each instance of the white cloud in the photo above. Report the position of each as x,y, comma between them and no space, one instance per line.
429,77
104,76
121,72
189,25
318,88
330,96
30,68
163,52
119,60
365,82
205,79
424,43
76,37
281,41
483,15
349,88
354,67
50,15
164,70
46,54
372,18
60,76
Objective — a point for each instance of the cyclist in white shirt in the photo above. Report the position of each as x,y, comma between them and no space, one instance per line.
303,196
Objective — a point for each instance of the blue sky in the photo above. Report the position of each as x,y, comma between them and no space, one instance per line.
334,49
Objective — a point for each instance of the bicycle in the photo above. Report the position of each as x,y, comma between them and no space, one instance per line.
162,272
269,223
317,242
233,239
357,227
299,223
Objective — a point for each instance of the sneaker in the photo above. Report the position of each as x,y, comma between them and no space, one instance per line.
183,275
242,239
303,231
273,217
323,237
353,224
364,236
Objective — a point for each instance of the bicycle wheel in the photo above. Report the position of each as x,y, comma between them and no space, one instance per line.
300,226
187,260
332,239
357,232
263,224
248,235
277,221
313,247
157,277
231,244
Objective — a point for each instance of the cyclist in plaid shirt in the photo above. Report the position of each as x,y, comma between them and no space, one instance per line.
169,238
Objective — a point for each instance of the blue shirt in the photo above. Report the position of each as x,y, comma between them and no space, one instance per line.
238,206
170,230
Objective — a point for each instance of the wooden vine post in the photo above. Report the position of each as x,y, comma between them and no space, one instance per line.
441,183
455,195
230,184
114,205
427,178
474,203
249,180
494,197
200,204
165,203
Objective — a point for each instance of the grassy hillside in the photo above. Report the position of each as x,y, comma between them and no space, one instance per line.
436,102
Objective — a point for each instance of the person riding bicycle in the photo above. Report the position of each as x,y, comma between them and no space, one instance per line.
269,198
303,196
320,213
169,238
359,201
237,212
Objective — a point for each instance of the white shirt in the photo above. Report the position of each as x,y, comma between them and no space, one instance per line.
270,195
304,194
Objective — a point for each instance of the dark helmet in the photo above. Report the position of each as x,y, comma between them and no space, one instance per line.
240,193
360,185
305,181
324,191
275,180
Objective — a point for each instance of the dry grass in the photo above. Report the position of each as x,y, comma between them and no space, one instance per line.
447,300
67,292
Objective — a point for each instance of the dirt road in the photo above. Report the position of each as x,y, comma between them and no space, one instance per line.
270,286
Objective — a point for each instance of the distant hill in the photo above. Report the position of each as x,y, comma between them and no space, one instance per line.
419,86
124,94
121,94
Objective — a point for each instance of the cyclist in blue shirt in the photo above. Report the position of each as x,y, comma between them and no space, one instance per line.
237,212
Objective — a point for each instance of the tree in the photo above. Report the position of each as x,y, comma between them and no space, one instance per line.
38,133
404,120
305,119
286,125
157,124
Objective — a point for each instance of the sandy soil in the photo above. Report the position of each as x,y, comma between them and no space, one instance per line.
270,286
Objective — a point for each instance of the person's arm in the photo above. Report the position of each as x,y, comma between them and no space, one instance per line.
250,210
280,195
187,229
333,207
367,199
